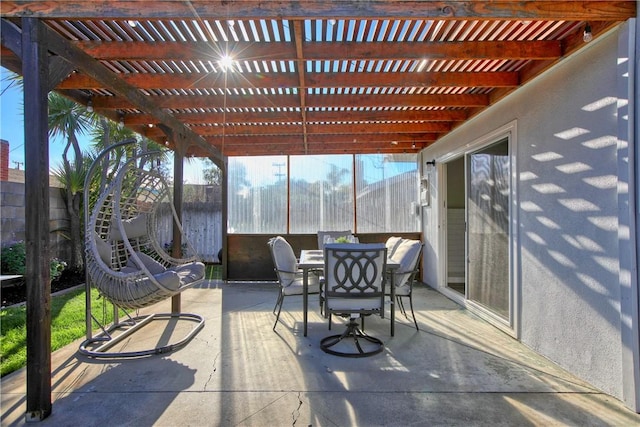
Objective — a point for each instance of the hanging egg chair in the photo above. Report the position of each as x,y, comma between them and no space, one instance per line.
125,261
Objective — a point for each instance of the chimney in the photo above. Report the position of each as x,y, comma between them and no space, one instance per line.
4,160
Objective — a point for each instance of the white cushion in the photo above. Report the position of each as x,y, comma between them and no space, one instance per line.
151,264
169,279
285,260
348,305
104,249
190,272
406,254
392,244
133,227
296,287
290,276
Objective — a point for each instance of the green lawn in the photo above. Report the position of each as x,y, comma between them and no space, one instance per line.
67,324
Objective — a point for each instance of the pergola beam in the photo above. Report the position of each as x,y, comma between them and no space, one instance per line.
291,80
97,72
331,128
312,116
315,9
321,51
312,101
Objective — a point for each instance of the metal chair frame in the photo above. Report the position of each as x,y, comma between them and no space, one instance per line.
354,286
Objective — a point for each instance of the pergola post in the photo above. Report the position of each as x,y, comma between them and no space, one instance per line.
35,73
224,165
178,192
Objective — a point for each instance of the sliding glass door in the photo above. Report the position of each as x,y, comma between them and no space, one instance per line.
488,227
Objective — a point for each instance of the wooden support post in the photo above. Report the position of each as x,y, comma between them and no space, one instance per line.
178,191
225,215
35,72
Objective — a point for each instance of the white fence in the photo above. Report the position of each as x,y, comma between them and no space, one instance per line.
202,225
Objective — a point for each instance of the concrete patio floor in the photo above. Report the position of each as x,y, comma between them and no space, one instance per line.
457,370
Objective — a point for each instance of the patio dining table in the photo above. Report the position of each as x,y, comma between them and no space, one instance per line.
313,259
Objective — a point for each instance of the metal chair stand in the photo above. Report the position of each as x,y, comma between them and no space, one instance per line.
98,346
365,345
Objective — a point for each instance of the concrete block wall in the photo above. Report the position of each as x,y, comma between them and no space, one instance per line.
12,217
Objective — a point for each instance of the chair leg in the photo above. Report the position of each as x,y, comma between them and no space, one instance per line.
279,304
412,313
278,301
321,299
401,305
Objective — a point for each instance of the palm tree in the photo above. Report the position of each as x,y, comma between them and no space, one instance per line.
212,174
106,133
68,119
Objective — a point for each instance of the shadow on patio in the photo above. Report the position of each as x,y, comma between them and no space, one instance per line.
457,370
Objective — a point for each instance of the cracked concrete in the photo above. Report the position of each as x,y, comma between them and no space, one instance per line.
457,370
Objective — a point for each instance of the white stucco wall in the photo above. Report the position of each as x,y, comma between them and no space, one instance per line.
567,253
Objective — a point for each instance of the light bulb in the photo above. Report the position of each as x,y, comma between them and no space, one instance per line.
121,123
587,36
90,106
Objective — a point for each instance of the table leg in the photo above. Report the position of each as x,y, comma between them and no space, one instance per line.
305,299
393,306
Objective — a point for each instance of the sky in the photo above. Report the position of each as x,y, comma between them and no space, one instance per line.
12,131
12,124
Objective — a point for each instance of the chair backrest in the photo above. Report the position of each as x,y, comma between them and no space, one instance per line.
333,234
354,276
407,254
284,260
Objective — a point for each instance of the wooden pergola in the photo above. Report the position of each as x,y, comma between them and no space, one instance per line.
252,78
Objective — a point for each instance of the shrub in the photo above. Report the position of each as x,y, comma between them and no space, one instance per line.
56,268
13,259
